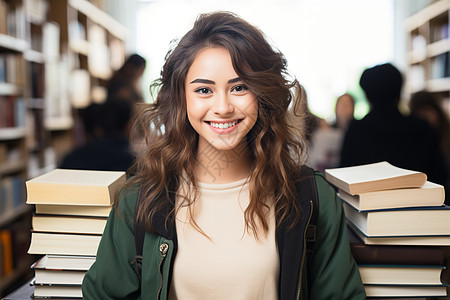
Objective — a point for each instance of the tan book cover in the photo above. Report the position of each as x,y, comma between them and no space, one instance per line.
374,177
64,244
74,210
69,262
69,224
58,291
45,275
405,291
401,274
430,194
76,187
417,240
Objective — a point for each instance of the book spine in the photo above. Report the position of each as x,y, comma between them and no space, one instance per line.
402,255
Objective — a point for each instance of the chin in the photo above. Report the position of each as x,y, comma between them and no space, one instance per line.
224,146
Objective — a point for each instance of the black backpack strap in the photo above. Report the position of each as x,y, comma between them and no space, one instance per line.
310,192
139,234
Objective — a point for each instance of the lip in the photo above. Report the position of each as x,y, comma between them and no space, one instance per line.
224,130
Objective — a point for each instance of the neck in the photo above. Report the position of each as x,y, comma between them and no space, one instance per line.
222,166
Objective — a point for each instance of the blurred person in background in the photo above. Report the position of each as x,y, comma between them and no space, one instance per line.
125,82
109,148
344,110
385,134
426,106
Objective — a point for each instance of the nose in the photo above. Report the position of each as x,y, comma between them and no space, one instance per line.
223,104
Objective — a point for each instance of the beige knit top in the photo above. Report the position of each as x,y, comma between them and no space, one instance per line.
231,263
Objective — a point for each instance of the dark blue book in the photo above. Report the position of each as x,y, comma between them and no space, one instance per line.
417,221
422,240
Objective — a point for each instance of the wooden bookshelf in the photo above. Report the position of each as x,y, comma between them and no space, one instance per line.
428,51
88,42
428,58
42,44
13,136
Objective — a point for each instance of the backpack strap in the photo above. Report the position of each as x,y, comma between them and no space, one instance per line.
139,235
310,192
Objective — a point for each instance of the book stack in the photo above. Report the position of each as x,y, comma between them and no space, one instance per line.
72,207
398,228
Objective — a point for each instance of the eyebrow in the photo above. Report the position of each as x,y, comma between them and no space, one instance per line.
207,81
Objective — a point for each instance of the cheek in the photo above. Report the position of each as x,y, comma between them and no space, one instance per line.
189,109
254,107
194,110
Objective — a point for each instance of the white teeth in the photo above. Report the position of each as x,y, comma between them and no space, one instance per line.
222,125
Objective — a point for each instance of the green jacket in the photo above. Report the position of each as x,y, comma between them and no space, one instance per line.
329,273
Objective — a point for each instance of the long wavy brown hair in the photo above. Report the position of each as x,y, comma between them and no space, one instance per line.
167,144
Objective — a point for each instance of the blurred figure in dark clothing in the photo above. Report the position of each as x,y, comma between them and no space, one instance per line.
125,82
426,106
91,121
109,149
384,134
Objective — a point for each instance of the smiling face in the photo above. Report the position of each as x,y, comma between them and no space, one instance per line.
220,107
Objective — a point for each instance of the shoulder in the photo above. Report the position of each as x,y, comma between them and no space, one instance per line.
325,192
322,184
329,204
127,197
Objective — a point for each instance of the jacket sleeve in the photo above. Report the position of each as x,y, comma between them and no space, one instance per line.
334,273
113,275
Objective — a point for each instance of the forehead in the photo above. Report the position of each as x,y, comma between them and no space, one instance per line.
212,62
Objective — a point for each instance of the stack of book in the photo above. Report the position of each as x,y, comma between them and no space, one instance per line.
398,228
72,207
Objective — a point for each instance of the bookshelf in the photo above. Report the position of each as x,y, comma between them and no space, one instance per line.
14,214
55,59
428,51
91,47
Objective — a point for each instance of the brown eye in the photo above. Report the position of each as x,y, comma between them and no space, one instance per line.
203,90
240,88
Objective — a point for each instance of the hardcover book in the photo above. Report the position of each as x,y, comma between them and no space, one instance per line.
405,291
421,221
44,275
67,262
394,254
374,177
57,291
68,224
76,187
401,274
431,240
430,194
64,244
73,210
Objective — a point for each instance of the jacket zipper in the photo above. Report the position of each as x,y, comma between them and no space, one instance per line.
299,288
163,248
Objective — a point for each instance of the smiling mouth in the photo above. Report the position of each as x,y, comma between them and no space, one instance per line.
224,125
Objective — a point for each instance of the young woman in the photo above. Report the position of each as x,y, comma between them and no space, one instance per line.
217,171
